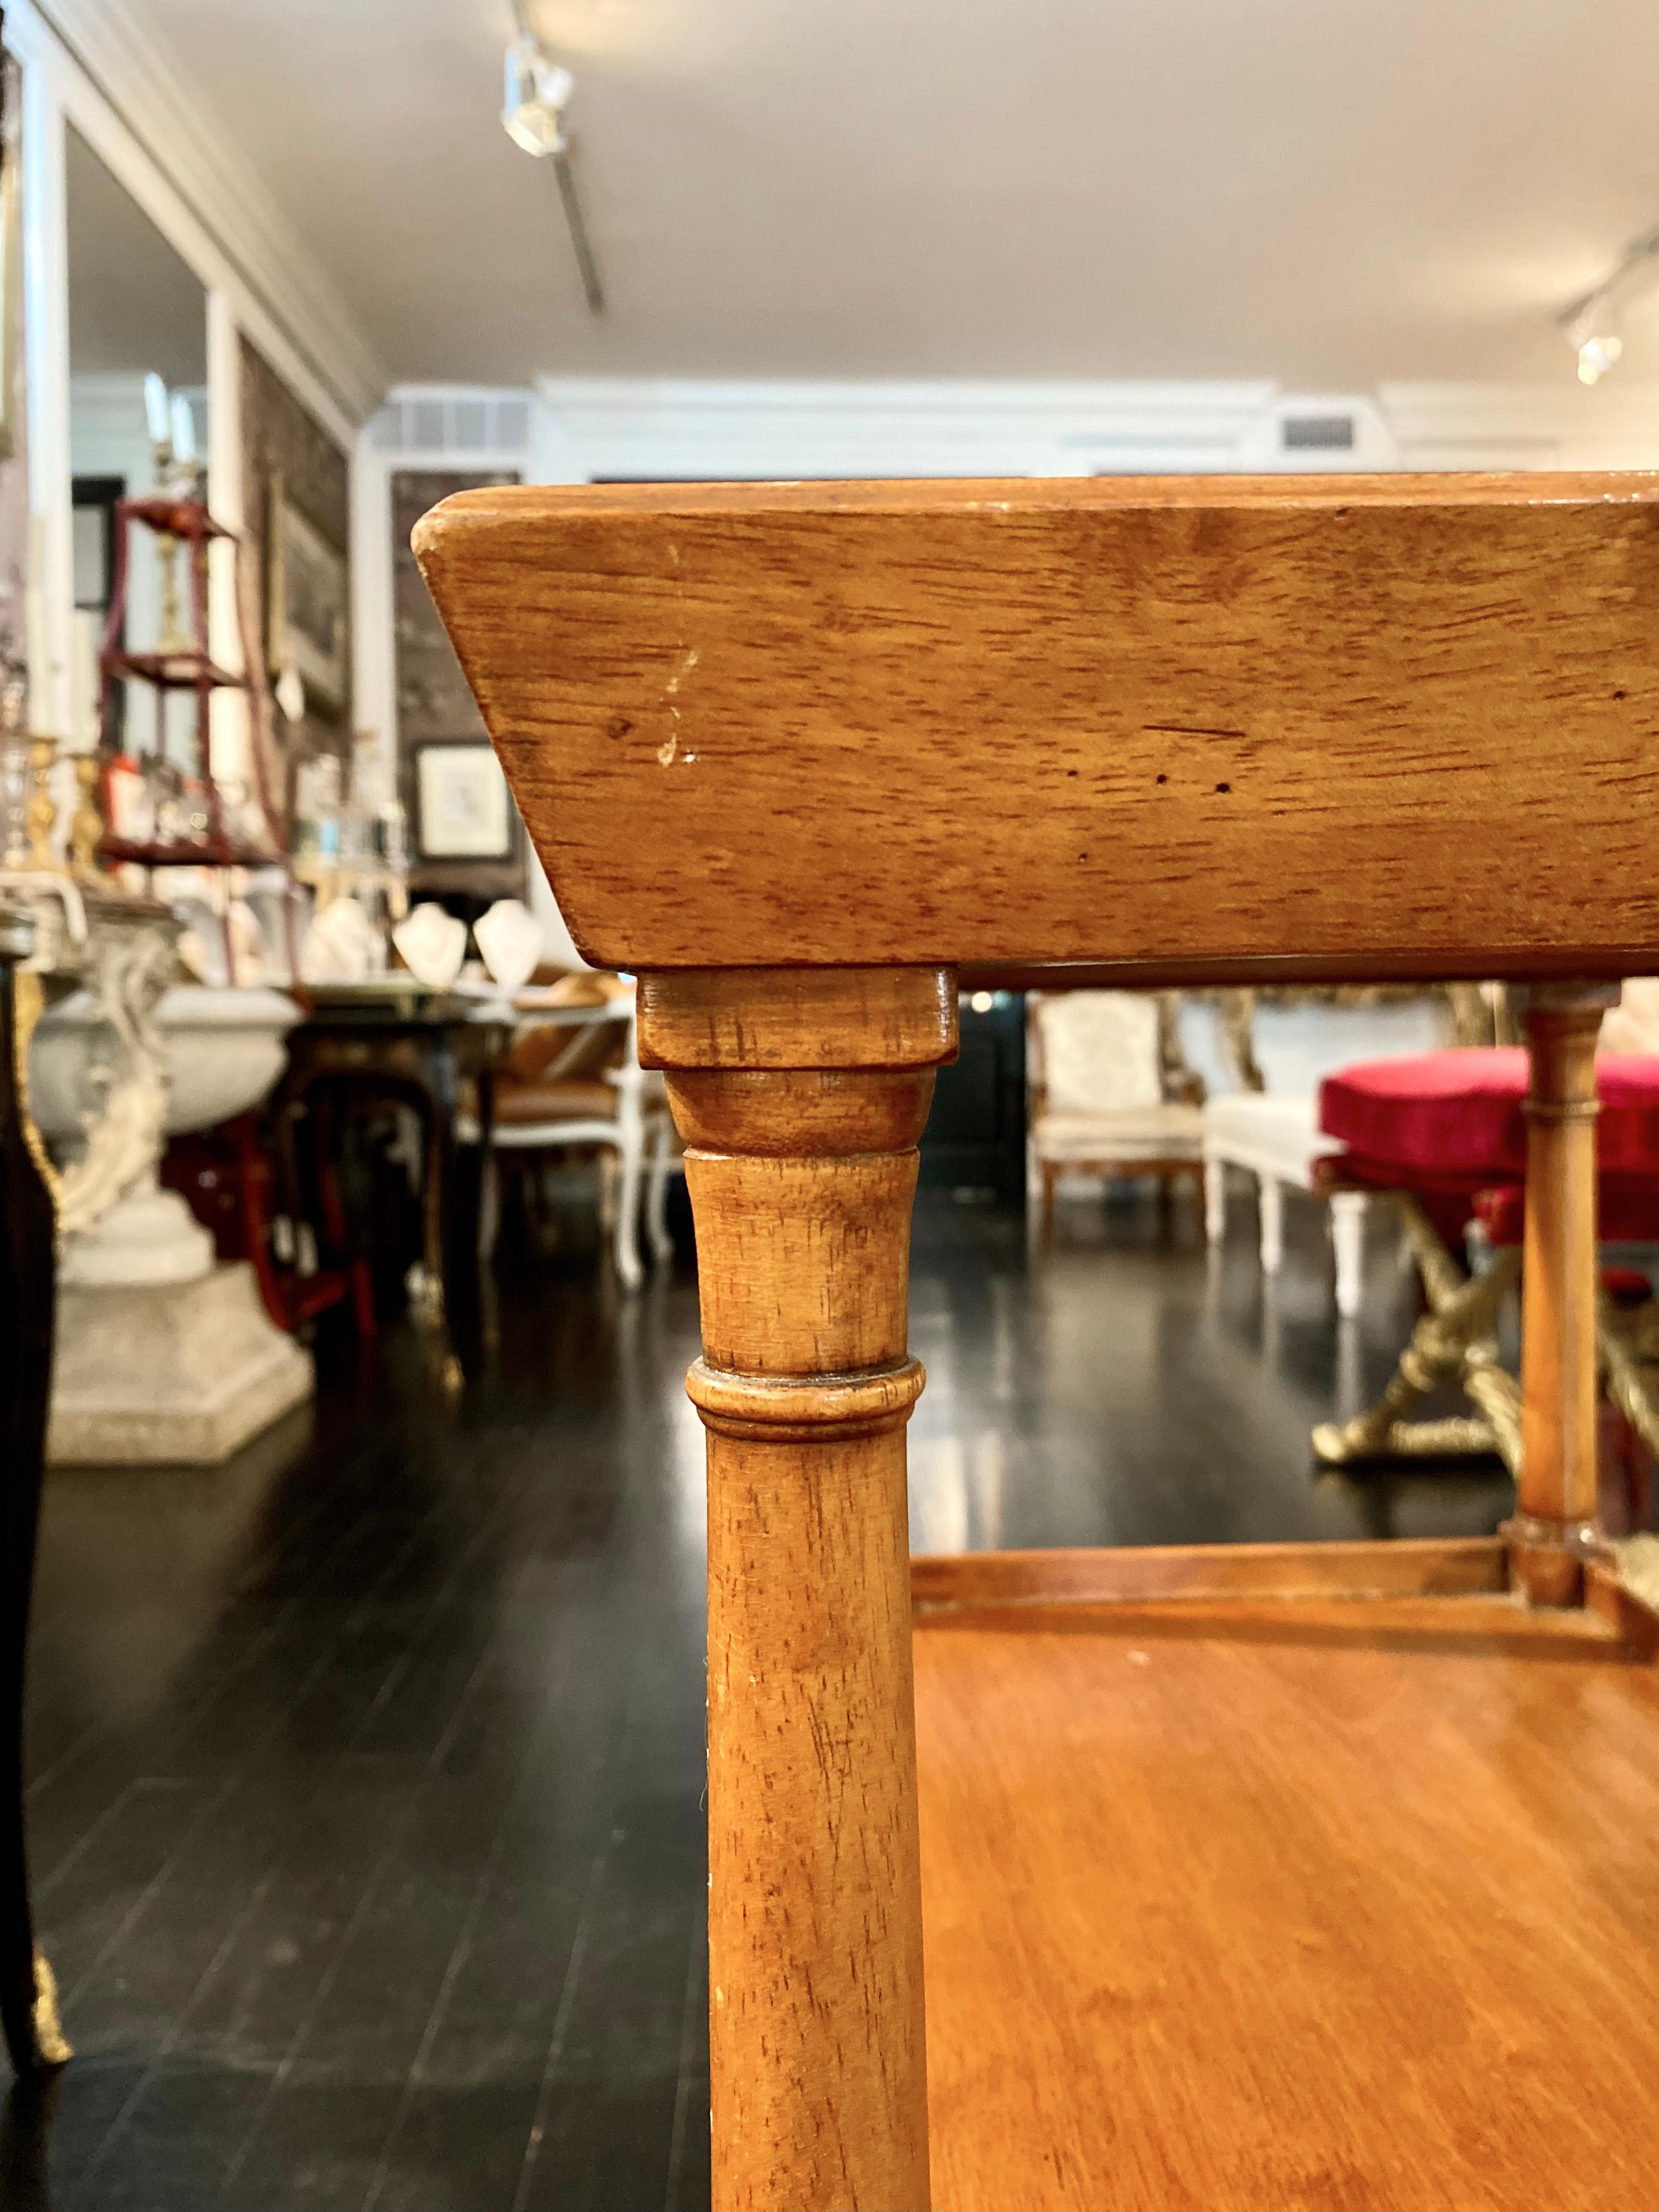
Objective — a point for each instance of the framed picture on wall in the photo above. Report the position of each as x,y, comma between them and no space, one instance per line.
309,615
463,810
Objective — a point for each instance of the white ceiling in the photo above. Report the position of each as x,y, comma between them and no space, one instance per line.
1325,192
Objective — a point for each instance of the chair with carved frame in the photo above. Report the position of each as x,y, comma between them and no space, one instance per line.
577,1084
1109,1092
1326,1896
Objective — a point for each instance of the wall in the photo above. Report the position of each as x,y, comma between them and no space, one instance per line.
280,438
14,467
109,436
91,66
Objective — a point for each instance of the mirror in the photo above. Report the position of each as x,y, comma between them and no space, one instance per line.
136,311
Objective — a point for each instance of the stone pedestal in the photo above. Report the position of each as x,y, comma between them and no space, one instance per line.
149,1236
178,1373
162,1357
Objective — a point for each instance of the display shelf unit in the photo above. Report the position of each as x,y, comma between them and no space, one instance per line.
180,662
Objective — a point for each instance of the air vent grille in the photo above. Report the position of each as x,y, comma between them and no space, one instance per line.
1316,434
453,423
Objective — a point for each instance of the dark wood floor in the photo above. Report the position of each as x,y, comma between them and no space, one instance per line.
368,1770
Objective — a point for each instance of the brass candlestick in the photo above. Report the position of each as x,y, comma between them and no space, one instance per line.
41,816
87,824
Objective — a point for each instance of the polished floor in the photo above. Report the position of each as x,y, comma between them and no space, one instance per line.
366,1808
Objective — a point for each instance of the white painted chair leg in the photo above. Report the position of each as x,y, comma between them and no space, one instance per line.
1272,1224
1348,1244
656,1196
610,1168
630,1152
1215,1200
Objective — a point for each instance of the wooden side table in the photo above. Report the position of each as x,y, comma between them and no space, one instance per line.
797,754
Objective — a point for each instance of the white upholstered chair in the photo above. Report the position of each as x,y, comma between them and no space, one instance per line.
1110,1095
1274,1134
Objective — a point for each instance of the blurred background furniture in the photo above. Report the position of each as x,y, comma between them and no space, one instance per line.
571,1080
1444,1135
400,1044
1110,1092
1280,1044
27,1231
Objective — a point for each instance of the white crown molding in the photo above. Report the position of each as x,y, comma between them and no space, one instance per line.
641,426
244,236
1521,426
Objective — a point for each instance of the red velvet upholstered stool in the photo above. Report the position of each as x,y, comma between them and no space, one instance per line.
1444,1135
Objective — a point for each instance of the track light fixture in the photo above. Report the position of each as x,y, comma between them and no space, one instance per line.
1595,342
537,91
1592,324
533,103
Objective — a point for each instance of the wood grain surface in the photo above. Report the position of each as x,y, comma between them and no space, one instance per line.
1137,1573
1289,1906
819,1017
1389,724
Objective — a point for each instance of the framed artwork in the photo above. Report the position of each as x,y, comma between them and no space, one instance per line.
309,613
463,810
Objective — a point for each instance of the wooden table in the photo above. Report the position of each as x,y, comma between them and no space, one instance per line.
410,1048
795,755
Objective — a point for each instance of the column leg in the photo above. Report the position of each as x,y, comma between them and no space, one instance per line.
1554,1527
801,1099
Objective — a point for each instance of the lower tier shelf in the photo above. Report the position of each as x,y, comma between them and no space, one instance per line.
1302,1901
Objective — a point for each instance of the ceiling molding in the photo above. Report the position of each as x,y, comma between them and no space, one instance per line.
587,427
188,144
639,426
1540,426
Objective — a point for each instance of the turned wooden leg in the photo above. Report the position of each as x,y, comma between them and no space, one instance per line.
800,1098
1554,1528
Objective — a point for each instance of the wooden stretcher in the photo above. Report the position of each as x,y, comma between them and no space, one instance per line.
1320,1875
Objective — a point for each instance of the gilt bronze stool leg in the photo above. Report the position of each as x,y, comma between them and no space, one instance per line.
801,1099
28,2009
1452,1341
